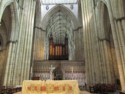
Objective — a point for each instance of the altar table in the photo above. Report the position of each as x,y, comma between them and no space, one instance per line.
50,87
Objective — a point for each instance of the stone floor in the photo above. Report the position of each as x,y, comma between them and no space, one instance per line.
106,93
18,93
82,92
85,92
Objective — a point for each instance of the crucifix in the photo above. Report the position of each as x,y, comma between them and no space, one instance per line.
51,72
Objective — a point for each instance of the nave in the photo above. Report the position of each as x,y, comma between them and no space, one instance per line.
86,36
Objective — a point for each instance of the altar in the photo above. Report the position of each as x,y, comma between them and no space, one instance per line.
50,87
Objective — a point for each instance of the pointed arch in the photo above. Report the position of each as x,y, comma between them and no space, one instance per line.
105,36
14,14
10,19
60,22
63,9
4,4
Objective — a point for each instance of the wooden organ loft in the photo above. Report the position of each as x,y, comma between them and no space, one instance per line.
58,51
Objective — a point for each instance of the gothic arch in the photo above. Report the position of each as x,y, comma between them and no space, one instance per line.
105,37
73,22
104,16
65,10
12,26
14,16
9,26
4,4
4,31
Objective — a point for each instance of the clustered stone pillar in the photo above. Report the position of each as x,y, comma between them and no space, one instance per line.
19,58
86,14
120,52
118,27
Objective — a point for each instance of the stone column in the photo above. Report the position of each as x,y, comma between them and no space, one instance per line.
98,60
96,52
12,47
121,48
118,36
19,69
86,15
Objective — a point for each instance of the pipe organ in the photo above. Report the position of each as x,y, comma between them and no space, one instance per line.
58,50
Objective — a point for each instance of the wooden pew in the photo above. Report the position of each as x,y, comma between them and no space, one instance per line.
9,90
122,92
101,88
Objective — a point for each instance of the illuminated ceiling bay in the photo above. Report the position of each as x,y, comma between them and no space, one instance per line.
58,1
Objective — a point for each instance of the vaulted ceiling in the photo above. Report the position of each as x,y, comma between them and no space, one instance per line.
59,27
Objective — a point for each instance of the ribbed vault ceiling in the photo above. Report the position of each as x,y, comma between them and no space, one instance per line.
59,27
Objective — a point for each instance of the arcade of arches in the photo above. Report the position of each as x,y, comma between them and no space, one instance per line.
87,37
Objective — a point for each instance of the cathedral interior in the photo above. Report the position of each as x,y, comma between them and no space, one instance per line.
86,37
